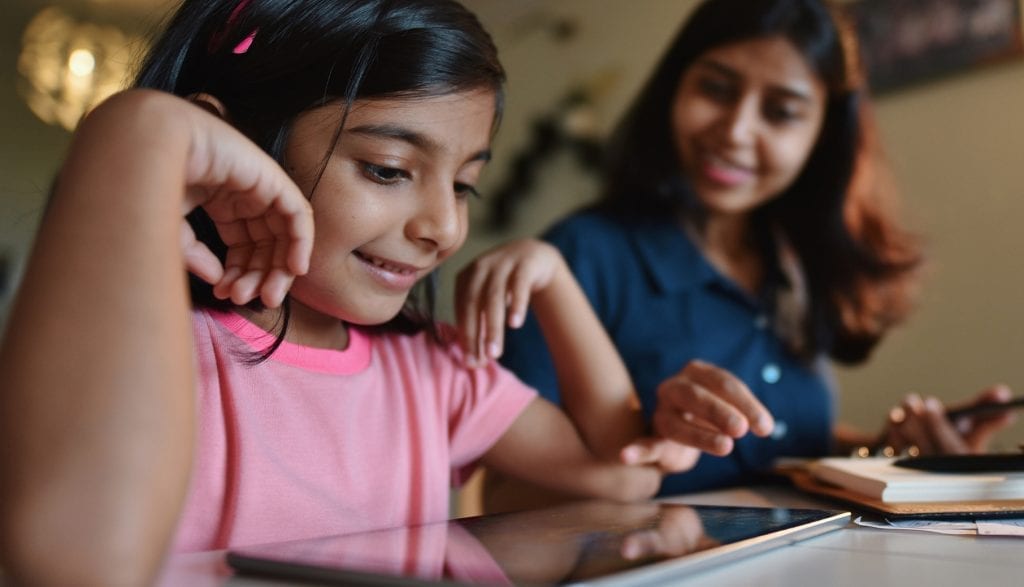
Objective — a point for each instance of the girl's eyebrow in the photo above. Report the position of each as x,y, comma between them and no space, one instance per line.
723,69
416,139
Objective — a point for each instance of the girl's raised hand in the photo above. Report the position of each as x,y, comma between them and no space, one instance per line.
259,212
495,290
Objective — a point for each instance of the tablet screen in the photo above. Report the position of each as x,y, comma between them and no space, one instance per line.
579,543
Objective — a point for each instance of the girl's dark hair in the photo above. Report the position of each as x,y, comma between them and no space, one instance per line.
306,54
860,265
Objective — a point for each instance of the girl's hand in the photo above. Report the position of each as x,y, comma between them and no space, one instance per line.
922,423
668,456
259,212
706,408
495,290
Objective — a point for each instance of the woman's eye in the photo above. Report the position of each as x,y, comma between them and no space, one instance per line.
717,89
463,190
383,175
781,113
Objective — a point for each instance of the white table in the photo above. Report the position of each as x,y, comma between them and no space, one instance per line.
854,556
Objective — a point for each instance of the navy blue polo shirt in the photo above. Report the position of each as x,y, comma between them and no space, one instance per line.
664,305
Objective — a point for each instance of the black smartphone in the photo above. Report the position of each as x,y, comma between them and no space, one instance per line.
990,408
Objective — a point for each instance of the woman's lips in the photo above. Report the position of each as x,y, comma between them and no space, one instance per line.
725,173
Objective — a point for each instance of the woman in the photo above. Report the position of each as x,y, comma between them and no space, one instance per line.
745,236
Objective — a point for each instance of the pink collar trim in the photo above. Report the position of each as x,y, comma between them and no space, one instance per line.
352,360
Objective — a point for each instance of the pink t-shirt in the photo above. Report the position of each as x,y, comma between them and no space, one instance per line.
315,442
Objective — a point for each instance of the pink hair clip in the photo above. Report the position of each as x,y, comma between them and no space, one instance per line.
245,44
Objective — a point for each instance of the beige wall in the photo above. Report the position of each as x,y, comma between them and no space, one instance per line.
957,145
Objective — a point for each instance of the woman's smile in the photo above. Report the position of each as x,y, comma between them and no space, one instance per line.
725,172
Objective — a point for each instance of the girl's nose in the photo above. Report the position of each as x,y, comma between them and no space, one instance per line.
438,222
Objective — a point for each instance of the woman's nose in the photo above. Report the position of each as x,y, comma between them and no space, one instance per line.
741,121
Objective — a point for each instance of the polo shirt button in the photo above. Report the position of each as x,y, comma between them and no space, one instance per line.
771,373
761,322
780,430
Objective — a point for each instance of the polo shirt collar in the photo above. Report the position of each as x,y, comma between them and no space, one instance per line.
671,258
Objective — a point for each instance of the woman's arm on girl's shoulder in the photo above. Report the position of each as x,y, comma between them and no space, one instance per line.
96,412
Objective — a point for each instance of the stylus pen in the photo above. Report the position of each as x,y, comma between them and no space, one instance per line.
991,408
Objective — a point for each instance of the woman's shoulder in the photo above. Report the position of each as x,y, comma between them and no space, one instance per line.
586,222
590,232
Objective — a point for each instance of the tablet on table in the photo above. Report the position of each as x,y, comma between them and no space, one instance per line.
581,543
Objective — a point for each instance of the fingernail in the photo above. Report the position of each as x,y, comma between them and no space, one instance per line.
897,415
723,444
630,454
738,425
915,402
765,425
933,405
515,320
494,350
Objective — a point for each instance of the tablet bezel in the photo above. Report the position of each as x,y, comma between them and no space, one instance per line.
267,561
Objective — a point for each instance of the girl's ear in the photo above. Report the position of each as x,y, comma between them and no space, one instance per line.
210,103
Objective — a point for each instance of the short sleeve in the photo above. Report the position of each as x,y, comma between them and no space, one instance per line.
484,402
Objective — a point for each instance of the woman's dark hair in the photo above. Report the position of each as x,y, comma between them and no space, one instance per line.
860,265
309,53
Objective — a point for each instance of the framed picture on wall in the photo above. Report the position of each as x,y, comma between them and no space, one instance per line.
905,42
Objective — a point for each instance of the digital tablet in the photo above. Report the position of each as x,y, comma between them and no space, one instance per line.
582,543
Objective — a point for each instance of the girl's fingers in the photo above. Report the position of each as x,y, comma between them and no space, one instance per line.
199,260
467,311
274,287
518,300
495,305
669,456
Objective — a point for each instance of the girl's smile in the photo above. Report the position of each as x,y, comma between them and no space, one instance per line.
392,274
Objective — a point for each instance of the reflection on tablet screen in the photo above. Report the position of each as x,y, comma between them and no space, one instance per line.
582,542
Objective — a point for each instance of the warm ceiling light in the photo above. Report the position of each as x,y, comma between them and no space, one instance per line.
68,66
81,62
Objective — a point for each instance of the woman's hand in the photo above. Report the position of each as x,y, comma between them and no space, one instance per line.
495,290
707,408
260,214
922,423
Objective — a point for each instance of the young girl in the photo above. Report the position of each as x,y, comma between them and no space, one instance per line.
311,393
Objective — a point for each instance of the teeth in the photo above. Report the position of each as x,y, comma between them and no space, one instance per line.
385,266
720,162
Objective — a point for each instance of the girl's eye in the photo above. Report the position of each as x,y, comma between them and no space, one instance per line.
463,190
383,175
